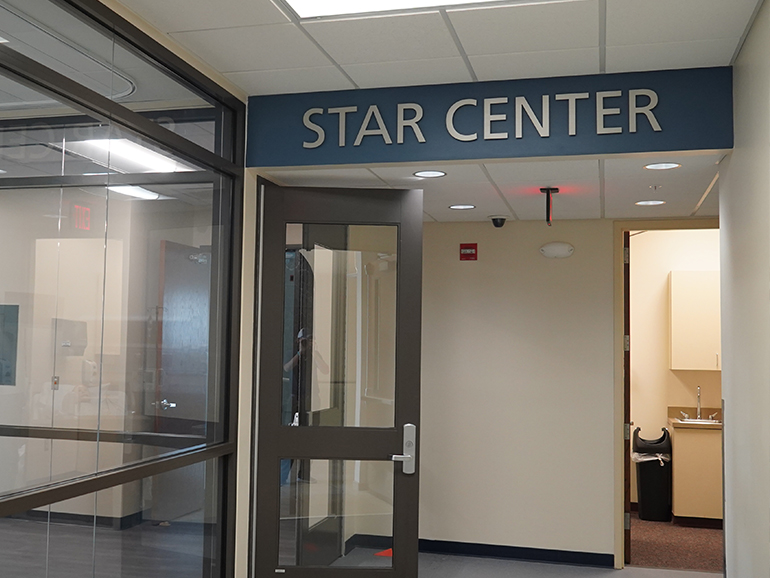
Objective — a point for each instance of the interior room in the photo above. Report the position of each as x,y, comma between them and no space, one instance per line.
676,385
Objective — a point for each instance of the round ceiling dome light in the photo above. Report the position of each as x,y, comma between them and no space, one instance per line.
662,166
430,174
650,203
462,207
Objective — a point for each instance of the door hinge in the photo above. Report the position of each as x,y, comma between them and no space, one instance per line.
626,343
626,431
626,256
627,521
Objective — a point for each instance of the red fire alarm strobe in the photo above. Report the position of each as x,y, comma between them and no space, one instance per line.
469,251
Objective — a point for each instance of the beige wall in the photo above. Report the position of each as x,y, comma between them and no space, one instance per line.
744,210
517,392
655,387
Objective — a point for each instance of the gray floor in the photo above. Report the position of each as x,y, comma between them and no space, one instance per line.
177,551
447,566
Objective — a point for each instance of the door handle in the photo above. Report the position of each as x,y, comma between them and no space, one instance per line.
409,456
165,404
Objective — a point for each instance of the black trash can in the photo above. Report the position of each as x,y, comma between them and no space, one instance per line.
653,476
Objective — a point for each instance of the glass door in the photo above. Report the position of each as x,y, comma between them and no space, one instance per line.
339,372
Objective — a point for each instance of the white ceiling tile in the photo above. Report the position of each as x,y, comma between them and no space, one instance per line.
536,64
672,55
577,180
384,38
457,174
290,80
710,206
179,15
627,181
350,178
546,173
528,28
653,21
580,201
253,48
484,196
415,72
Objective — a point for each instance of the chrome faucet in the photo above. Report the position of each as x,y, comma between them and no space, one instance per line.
698,412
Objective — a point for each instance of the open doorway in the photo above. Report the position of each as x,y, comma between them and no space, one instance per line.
675,477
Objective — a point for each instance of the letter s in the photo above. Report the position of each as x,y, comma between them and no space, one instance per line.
315,128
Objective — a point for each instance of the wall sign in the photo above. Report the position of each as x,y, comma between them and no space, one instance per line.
469,251
659,111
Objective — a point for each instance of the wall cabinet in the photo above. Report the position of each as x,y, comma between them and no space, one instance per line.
695,322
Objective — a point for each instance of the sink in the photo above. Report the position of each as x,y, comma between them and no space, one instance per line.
697,421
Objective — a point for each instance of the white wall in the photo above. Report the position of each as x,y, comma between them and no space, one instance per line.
517,390
745,223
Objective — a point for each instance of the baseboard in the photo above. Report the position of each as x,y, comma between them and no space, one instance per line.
123,523
518,553
367,541
714,523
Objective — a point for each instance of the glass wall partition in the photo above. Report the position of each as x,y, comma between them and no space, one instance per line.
119,236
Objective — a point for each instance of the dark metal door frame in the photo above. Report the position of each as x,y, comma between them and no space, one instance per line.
337,206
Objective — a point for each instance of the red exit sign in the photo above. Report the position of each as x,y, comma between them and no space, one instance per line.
82,218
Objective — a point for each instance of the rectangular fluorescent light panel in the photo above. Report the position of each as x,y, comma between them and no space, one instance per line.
136,154
316,8
136,192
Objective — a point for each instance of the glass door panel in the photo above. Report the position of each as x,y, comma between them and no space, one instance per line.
337,513
339,325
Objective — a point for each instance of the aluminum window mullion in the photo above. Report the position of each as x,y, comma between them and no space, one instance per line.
113,179
52,494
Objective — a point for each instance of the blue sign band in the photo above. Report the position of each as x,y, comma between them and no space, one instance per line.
670,110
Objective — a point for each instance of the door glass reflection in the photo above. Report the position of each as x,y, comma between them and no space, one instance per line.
336,513
339,336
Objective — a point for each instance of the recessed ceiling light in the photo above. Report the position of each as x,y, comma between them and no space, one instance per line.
3,40
430,174
650,203
316,9
662,166
462,207
2,172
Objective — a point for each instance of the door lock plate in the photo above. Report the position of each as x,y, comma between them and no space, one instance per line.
409,455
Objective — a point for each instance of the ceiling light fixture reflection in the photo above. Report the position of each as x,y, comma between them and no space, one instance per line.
662,166
133,191
650,203
316,9
3,40
136,153
462,207
430,174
